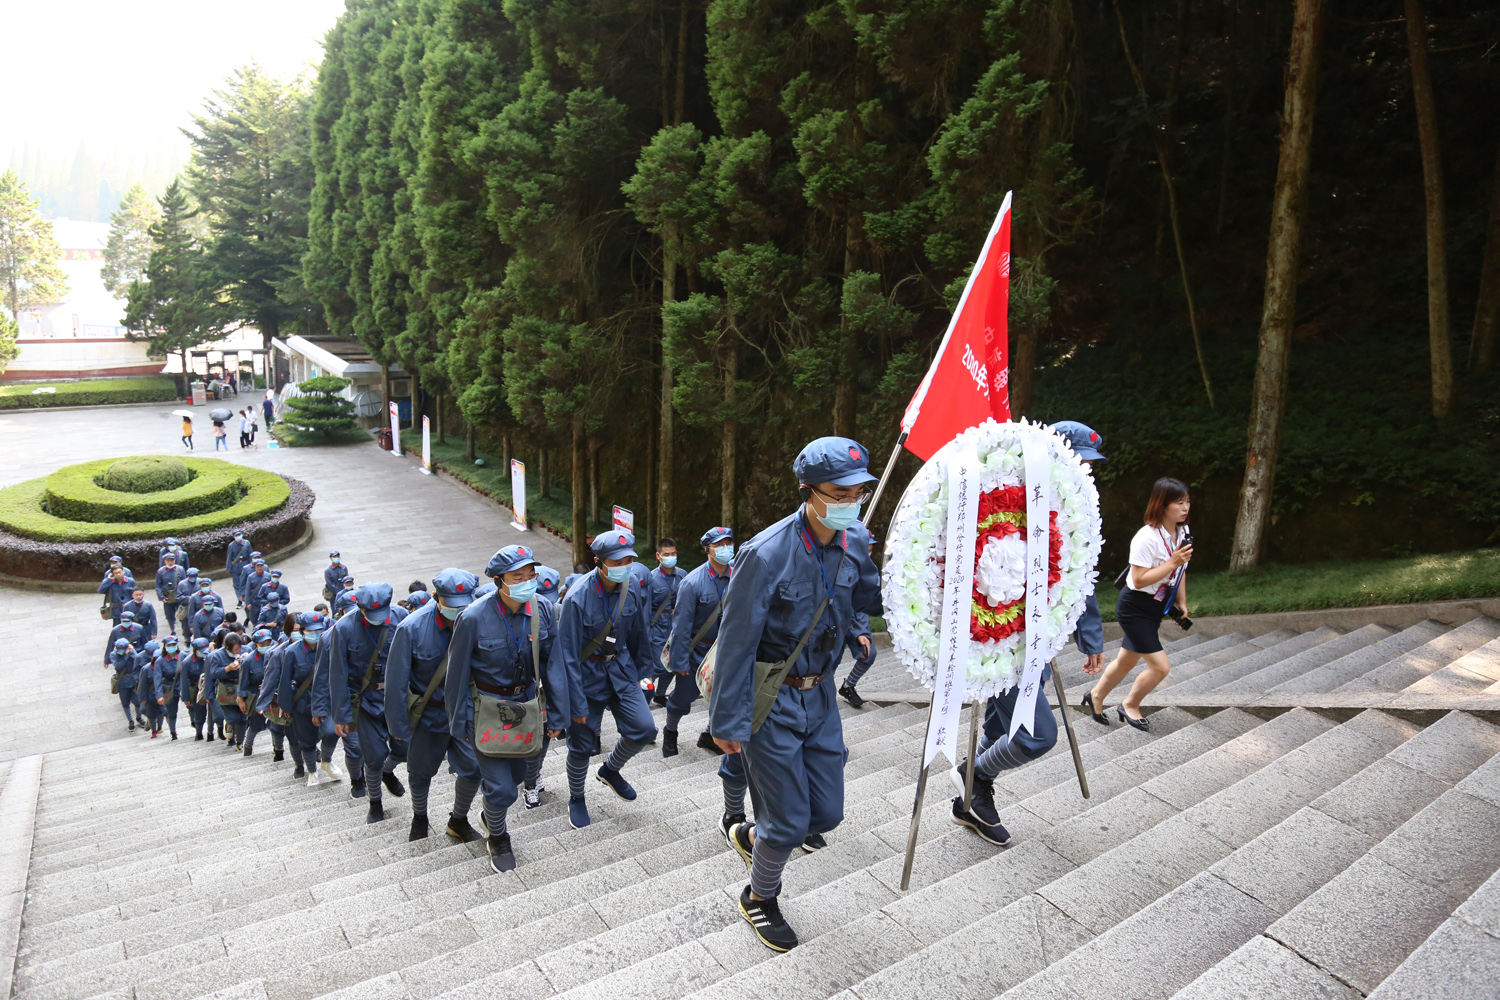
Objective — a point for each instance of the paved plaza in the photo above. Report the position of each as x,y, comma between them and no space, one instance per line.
391,522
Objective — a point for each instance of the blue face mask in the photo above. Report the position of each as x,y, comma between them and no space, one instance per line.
841,516
617,574
311,638
263,649
522,592
669,562
723,553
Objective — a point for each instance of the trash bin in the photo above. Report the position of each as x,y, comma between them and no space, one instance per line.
385,438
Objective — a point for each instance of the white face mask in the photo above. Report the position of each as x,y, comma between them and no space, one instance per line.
449,613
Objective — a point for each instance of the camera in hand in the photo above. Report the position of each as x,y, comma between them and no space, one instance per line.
1186,541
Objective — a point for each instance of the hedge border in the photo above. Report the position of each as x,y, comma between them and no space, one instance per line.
21,513
93,393
84,561
73,495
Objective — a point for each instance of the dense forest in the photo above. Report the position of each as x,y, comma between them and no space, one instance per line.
654,247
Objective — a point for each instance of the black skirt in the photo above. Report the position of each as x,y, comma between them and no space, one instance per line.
1140,616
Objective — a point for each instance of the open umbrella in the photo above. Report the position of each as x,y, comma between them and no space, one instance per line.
220,414
184,413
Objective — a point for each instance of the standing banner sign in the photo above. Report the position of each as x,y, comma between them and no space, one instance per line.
958,589
518,494
395,430
1038,534
624,520
426,445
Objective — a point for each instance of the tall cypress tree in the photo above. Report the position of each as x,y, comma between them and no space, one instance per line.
171,306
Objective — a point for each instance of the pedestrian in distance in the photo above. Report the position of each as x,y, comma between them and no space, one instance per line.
143,610
167,679
791,602
252,675
116,586
187,433
145,686
661,584
548,588
416,710
1155,587
122,660
221,440
244,430
333,575
861,646
695,627
221,686
269,407
191,685
168,580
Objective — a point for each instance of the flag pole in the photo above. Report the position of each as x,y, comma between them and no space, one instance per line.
885,477
1062,706
916,812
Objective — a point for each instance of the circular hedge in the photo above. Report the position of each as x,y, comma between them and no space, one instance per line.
68,506
146,474
74,493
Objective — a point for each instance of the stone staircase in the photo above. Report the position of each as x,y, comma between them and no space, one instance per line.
1311,815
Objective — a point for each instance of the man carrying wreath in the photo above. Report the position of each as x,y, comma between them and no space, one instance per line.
795,590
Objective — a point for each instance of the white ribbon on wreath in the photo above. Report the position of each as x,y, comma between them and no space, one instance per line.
916,554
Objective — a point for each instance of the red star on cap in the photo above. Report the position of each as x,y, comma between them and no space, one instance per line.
854,454
622,539
1094,436
460,588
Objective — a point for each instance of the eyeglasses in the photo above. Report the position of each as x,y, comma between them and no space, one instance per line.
863,496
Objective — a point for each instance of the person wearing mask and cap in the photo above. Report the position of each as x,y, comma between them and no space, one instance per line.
492,655
116,587
209,616
861,646
273,619
236,557
126,628
220,680
123,661
333,575
353,693
699,603
145,686
178,553
997,751
662,584
144,611
548,583
251,677
269,589
791,602
167,680
244,571
295,672
344,602
190,685
548,586
270,701
167,579
415,711
204,591
256,577
416,600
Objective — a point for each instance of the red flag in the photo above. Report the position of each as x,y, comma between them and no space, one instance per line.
968,381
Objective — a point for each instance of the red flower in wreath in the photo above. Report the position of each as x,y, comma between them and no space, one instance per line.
1002,512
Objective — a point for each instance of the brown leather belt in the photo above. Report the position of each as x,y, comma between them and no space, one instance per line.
504,692
804,683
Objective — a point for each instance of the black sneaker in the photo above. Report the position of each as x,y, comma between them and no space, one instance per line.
847,692
728,822
460,830
660,701
276,755
616,782
765,920
392,784
298,773
502,859
174,736
706,742
739,839
669,743
981,816
813,842
131,728
247,750
357,789
377,812
418,827
198,738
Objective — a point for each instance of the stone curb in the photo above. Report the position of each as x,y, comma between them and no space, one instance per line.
90,406
17,828
84,587
1397,616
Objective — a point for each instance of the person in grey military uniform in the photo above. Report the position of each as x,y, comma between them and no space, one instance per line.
817,557
116,586
861,646
127,668
699,603
493,656
662,584
549,587
605,648
997,750
237,555
415,712
167,579
353,692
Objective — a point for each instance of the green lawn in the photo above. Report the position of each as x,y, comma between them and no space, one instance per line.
92,392
1311,586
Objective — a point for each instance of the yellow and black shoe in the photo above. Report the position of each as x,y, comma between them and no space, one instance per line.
765,920
739,839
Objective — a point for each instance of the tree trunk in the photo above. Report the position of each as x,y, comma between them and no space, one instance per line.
665,515
1487,312
728,442
385,397
682,58
442,437
593,480
505,453
1432,183
469,440
1283,256
1229,81
546,480
580,528
845,402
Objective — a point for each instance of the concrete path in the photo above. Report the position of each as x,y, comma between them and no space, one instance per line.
391,523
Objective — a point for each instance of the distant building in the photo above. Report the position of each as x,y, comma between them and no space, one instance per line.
298,359
81,336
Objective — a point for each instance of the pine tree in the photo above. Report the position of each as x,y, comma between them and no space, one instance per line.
9,331
321,409
171,306
29,274
128,249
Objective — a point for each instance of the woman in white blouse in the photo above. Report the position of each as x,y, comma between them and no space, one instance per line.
1159,554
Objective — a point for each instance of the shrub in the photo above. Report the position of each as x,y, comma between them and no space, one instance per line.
146,474
75,493
22,510
94,392
322,409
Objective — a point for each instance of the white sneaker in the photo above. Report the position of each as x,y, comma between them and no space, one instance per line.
334,772
533,796
313,778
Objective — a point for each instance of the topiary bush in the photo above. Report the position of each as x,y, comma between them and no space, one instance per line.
145,474
322,409
90,392
222,494
77,493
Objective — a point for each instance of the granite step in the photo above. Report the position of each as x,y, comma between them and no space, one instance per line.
1360,662
1404,671
1469,675
1246,665
1202,648
1294,666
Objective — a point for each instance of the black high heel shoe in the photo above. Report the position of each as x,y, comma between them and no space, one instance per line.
1088,706
1142,724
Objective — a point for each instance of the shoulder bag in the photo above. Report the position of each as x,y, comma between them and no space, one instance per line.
504,727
